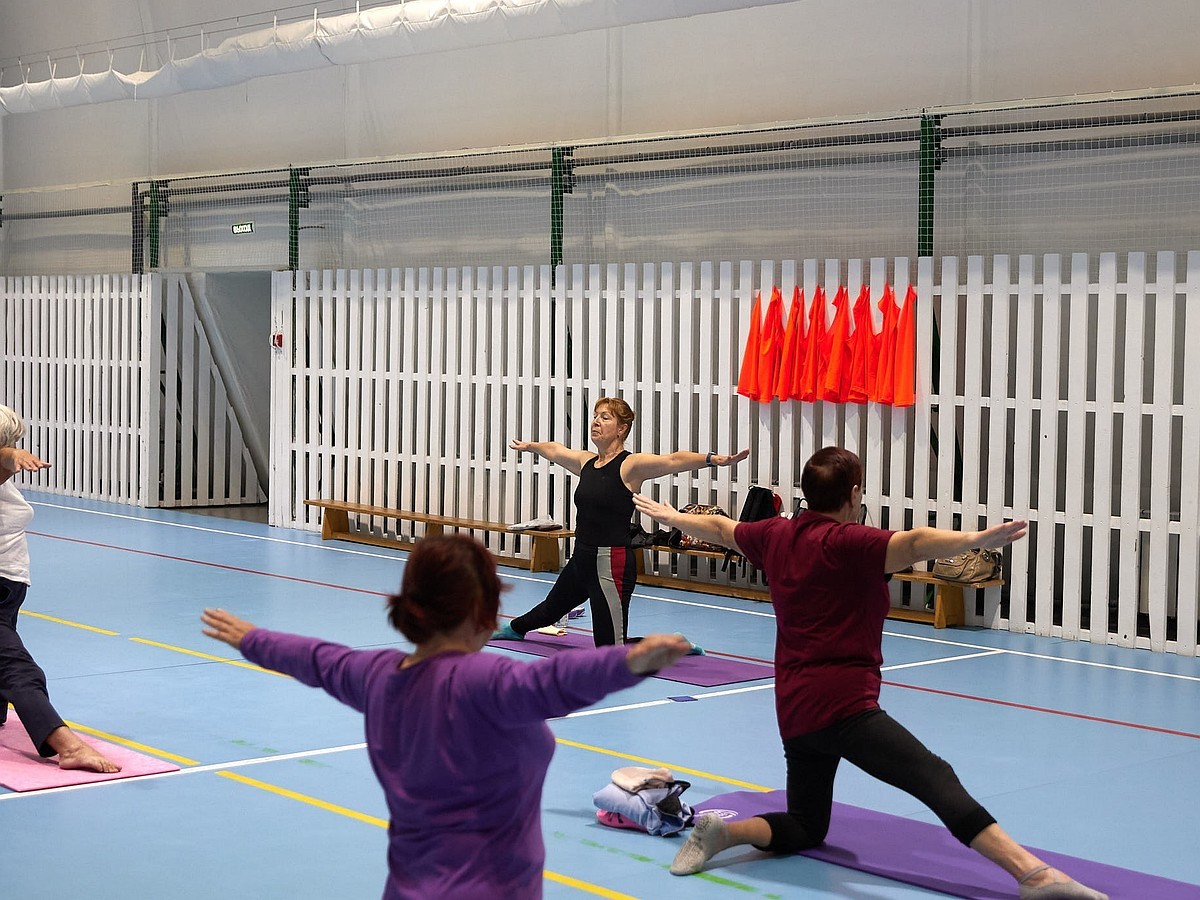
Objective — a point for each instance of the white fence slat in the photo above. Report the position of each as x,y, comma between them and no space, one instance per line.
971,450
999,449
789,411
353,325
706,373
763,461
542,298
419,462
1047,459
922,420
1189,480
1078,342
506,337
683,308
1163,355
901,424
1106,360
874,451
1130,542
947,391
826,410
731,332
1022,460
383,411
485,435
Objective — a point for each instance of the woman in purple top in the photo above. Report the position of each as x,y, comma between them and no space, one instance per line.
828,578
457,738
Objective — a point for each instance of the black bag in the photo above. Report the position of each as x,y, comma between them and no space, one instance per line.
760,504
640,538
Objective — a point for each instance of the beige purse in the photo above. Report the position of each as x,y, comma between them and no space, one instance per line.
971,567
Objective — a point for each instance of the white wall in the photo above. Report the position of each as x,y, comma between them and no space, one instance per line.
815,58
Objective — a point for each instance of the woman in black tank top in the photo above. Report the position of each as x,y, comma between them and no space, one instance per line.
603,569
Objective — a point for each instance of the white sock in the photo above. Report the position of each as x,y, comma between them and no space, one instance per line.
707,839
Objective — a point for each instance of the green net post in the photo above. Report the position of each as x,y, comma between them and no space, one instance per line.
930,162
160,207
297,200
137,230
562,181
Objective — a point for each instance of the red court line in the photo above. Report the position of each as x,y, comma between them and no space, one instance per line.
201,562
1043,709
341,587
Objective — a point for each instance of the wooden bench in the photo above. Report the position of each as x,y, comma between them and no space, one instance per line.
688,584
948,608
947,600
546,546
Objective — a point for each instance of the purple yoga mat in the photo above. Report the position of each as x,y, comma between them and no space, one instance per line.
926,855
702,671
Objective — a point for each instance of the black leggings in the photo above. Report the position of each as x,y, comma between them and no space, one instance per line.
605,576
883,748
21,679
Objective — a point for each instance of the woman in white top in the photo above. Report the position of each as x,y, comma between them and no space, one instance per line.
22,682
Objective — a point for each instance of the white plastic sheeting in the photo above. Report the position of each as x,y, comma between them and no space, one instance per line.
402,29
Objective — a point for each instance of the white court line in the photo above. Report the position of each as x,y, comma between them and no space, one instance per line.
186,770
649,703
985,650
708,695
934,662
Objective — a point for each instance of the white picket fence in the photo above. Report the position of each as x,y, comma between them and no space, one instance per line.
1067,394
116,383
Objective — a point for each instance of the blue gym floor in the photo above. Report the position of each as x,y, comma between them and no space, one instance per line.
1090,751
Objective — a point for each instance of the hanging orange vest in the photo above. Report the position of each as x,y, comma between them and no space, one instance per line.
906,352
791,364
770,349
748,376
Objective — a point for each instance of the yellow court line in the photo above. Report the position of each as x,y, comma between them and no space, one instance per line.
304,798
232,662
133,745
382,823
665,765
26,612
585,886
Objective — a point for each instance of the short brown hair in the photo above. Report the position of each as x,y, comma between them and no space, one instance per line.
619,408
829,478
448,580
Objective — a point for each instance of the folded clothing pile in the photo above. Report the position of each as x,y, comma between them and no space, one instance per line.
644,800
541,523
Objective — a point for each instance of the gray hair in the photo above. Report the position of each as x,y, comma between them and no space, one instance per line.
12,429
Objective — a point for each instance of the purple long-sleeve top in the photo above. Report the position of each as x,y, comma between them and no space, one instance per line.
460,745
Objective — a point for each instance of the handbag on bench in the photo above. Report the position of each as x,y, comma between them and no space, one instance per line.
972,567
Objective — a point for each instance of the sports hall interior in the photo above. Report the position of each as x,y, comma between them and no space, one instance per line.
254,255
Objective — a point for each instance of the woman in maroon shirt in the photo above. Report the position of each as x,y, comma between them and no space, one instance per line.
828,578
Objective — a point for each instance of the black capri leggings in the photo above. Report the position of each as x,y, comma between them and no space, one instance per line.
22,681
605,576
883,748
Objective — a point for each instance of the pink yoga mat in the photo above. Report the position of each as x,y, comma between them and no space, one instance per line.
22,769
